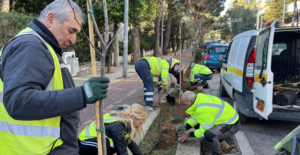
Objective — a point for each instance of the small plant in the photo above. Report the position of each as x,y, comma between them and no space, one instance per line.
180,130
173,109
176,118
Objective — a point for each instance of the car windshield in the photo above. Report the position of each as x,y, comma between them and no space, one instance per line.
218,50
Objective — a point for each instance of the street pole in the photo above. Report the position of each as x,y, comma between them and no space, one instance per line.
94,69
257,16
162,29
261,21
125,39
283,14
180,61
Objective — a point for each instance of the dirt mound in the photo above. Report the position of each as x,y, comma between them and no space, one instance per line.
167,138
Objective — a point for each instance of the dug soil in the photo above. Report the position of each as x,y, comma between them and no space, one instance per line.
169,127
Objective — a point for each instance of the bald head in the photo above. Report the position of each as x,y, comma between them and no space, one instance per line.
188,98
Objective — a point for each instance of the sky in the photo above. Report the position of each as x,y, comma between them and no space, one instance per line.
226,7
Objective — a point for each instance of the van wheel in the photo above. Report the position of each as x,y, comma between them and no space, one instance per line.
242,117
223,92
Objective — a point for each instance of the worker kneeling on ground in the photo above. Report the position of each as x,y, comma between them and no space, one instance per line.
121,128
200,74
177,71
147,68
213,119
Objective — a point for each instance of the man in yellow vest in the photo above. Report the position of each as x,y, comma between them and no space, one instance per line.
200,74
215,118
148,68
39,103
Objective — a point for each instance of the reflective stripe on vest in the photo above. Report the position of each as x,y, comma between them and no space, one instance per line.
159,66
221,109
90,131
36,136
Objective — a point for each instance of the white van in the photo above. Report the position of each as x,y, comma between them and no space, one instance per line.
248,73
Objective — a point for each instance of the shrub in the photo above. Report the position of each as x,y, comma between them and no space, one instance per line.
11,24
199,58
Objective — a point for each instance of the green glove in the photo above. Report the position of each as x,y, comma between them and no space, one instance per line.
95,88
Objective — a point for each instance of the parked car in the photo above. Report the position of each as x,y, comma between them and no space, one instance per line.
251,68
212,54
210,42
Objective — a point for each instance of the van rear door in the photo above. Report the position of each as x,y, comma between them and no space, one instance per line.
263,76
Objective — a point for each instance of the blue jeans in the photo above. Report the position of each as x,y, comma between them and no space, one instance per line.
203,78
143,69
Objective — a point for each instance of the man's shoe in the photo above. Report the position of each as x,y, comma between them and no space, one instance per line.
150,108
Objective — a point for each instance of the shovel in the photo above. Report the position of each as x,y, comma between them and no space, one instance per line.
170,98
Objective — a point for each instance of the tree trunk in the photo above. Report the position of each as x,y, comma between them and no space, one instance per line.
294,13
157,33
167,31
109,57
116,41
135,42
5,5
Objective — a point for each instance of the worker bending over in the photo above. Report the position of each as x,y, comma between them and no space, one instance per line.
148,68
200,74
215,118
176,70
122,127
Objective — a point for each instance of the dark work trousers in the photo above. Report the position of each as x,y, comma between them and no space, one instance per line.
203,78
143,69
90,147
216,134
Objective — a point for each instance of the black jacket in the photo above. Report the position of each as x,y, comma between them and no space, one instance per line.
26,69
117,131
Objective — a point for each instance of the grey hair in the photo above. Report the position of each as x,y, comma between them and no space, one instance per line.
61,9
190,96
192,65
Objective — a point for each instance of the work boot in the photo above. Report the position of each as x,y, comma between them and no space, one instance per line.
150,108
224,145
214,153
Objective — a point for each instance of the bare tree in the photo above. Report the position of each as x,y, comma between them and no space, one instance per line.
168,29
135,44
295,14
157,33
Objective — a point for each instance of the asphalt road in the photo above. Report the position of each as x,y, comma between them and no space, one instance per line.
263,135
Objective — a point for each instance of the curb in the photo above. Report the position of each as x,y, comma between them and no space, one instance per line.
243,143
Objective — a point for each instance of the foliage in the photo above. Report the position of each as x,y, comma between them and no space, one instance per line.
199,58
173,109
121,47
275,11
289,80
180,130
247,12
147,42
11,24
176,118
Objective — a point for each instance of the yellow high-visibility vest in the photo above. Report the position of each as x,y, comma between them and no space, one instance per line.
36,136
200,69
209,111
158,66
90,131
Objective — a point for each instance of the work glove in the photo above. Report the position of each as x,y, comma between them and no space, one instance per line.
95,88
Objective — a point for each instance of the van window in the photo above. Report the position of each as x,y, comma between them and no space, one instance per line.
218,50
278,48
262,49
228,50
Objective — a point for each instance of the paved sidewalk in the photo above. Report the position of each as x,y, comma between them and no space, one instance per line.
122,91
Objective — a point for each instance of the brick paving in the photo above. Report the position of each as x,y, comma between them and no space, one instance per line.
125,92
